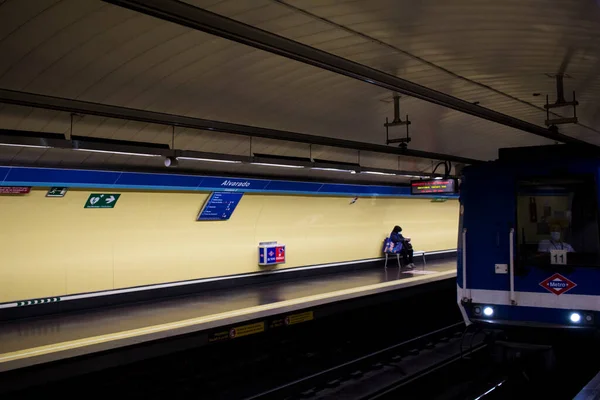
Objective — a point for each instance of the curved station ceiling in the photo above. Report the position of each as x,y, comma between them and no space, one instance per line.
293,80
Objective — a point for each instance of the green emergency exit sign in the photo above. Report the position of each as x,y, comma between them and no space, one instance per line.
57,192
102,200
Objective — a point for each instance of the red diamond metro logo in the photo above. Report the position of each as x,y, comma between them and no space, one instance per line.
557,284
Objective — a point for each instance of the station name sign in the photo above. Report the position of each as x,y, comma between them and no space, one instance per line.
434,186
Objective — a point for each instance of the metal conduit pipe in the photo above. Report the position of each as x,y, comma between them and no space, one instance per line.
132,114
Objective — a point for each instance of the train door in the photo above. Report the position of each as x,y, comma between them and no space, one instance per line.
489,213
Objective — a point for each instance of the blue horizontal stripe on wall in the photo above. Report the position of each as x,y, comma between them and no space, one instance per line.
371,190
163,180
287,186
3,173
25,176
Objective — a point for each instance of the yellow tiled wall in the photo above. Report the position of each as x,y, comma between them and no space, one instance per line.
53,246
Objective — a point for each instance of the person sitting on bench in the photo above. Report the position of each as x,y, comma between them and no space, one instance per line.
407,250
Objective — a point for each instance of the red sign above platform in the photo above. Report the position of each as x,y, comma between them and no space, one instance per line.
15,189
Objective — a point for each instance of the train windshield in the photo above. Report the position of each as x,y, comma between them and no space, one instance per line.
557,222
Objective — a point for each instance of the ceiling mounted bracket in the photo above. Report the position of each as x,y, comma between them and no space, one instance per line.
560,103
403,142
69,133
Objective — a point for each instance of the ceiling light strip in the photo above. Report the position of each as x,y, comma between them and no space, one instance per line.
125,153
276,165
210,160
34,146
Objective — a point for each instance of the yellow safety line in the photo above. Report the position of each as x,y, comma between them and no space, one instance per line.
74,344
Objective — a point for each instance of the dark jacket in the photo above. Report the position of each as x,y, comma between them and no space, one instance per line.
397,237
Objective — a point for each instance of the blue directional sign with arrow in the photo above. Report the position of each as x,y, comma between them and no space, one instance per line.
102,200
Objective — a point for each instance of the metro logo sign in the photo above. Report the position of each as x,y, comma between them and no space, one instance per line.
557,284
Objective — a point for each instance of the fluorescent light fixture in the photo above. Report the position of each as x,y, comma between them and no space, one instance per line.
277,165
34,146
210,160
437,178
378,173
334,169
119,147
118,152
335,166
273,160
33,140
414,176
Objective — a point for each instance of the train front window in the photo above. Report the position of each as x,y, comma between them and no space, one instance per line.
557,222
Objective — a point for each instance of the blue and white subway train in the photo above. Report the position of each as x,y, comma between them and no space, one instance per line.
529,240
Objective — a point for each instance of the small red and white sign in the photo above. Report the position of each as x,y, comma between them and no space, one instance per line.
558,284
15,189
280,257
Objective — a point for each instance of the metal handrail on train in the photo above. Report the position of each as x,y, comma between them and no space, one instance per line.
511,262
465,292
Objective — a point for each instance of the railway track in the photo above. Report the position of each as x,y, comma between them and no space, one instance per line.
380,373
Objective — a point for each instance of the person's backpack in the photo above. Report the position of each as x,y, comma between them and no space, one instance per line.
388,246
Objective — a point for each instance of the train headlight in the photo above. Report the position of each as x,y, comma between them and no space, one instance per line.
488,311
575,317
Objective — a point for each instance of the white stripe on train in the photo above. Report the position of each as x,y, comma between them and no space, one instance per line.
564,301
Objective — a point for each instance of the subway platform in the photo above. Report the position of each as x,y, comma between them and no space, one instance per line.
222,314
